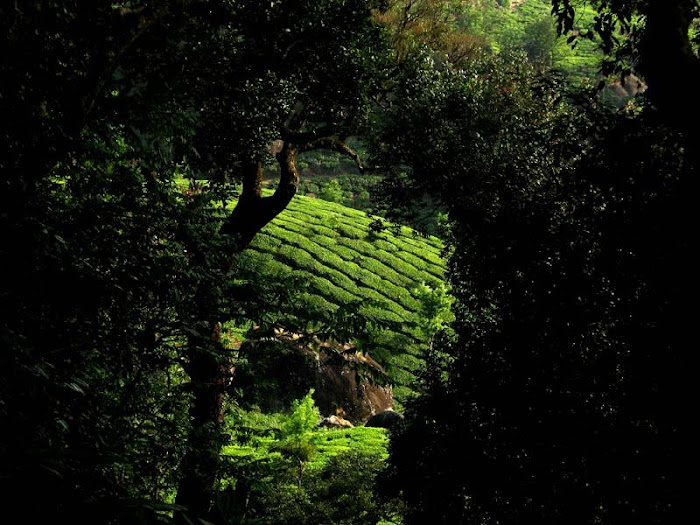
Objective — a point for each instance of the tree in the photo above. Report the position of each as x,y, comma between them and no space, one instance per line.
417,24
301,74
651,37
560,400
93,109
303,419
104,106
540,41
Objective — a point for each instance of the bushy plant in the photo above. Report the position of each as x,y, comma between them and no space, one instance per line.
285,470
435,307
332,192
304,416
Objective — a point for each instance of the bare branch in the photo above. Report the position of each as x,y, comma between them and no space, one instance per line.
341,147
305,137
333,145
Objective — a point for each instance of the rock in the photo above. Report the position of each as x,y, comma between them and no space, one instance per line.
347,382
385,419
335,422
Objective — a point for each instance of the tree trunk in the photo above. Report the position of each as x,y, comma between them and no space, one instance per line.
207,370
200,465
254,211
669,65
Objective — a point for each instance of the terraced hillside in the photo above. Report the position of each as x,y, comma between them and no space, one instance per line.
334,249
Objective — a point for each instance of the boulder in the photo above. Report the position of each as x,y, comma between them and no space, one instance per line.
282,366
347,383
386,419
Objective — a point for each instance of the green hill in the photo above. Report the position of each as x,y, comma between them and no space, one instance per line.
344,260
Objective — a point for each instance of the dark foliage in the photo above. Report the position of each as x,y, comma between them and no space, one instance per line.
115,279
653,39
95,262
562,399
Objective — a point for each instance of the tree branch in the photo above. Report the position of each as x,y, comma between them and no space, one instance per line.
305,137
341,147
253,211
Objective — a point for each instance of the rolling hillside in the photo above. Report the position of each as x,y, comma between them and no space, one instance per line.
334,249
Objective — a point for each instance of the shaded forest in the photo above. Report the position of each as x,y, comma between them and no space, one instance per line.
346,261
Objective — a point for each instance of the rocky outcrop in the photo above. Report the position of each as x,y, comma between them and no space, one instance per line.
351,382
347,382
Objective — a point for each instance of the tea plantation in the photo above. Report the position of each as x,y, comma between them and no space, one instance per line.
344,259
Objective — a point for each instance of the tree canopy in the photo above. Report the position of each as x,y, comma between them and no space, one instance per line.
653,38
570,235
118,280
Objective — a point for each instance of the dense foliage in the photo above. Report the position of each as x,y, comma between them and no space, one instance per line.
559,401
281,468
91,329
103,258
113,366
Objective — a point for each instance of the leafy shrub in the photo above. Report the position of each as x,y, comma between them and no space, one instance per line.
332,192
285,470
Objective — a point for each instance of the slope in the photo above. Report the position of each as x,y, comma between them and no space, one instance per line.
343,259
